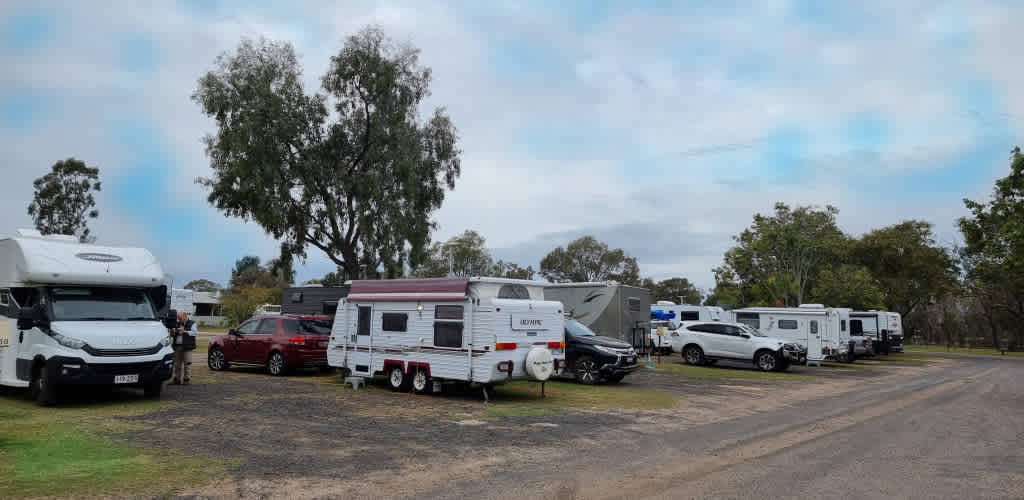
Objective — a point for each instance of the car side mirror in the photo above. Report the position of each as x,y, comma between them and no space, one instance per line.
233,332
744,335
31,317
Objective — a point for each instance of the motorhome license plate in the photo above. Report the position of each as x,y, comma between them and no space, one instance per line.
126,379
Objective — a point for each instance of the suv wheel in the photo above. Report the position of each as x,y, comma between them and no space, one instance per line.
693,355
767,361
586,371
216,360
276,365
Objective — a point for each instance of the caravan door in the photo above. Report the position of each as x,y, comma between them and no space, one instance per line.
363,355
814,339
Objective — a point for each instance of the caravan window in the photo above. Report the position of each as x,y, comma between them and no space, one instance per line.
513,292
814,326
842,325
752,320
394,322
788,324
448,334
4,299
689,315
363,324
856,327
448,312
634,304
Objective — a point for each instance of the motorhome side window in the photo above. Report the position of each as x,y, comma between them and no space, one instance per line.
789,324
448,326
363,324
513,292
394,322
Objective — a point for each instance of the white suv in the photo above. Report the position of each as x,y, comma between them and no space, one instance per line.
705,342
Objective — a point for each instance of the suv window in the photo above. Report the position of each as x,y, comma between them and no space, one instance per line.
249,327
306,326
735,331
267,326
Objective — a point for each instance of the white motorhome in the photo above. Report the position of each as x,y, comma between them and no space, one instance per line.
689,312
419,332
813,326
73,314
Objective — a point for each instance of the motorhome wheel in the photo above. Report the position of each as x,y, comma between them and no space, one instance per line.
42,391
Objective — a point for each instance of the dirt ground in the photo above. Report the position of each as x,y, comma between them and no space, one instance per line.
308,436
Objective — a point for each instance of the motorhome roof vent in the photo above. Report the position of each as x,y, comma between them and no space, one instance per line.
812,306
665,303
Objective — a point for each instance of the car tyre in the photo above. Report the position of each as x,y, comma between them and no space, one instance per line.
42,390
217,360
694,355
152,389
276,364
586,370
614,379
421,381
767,361
398,379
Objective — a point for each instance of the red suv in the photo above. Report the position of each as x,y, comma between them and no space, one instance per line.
279,342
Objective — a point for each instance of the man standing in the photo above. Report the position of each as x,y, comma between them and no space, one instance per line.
184,343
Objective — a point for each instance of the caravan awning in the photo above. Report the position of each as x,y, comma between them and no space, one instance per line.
414,290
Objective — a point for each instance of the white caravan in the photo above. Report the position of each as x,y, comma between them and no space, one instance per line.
419,332
816,328
73,314
688,312
884,328
183,300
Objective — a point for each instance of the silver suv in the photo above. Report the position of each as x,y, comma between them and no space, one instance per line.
705,342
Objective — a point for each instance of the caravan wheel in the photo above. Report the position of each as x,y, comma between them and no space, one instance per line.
421,381
398,379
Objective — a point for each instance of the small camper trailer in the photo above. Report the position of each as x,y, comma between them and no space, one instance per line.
420,332
609,309
813,326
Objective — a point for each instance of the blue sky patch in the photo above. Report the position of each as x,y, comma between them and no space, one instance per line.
29,29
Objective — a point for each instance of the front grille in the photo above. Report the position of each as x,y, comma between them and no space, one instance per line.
145,351
123,368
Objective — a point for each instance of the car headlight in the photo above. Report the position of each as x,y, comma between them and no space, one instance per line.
69,342
165,341
606,350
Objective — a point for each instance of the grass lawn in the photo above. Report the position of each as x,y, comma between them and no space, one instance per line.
727,372
962,350
62,452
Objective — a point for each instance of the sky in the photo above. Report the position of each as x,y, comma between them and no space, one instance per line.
658,127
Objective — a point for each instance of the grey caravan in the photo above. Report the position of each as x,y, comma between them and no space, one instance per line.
609,309
882,327
818,329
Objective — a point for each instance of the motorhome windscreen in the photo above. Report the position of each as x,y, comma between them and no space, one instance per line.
101,303
577,329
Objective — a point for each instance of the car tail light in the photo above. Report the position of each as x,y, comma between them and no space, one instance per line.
505,346
556,345
298,340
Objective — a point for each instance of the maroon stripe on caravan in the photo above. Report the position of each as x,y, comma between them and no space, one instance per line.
365,297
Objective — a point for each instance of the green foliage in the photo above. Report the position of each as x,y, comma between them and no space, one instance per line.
512,270
673,289
202,285
352,171
63,201
778,256
587,259
993,256
245,263
465,255
239,304
844,285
